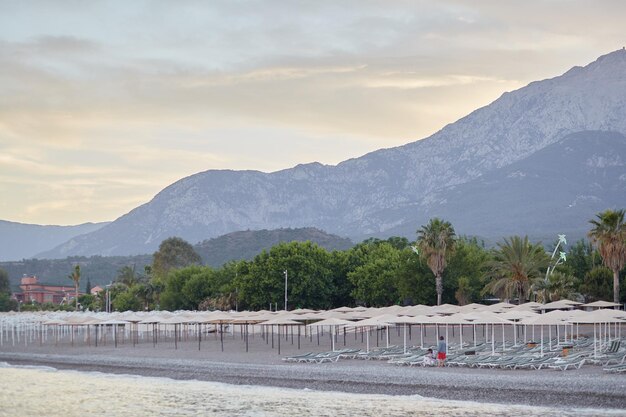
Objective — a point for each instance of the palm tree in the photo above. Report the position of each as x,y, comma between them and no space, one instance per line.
558,286
517,264
609,235
435,240
75,276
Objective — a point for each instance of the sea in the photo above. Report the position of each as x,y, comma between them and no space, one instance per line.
47,392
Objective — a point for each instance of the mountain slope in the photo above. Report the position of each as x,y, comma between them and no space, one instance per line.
247,244
350,199
557,189
20,240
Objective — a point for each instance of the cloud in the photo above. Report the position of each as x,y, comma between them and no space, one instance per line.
114,100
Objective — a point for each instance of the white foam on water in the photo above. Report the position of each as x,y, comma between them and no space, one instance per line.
27,391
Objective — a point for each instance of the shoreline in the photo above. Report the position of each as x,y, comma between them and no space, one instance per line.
584,388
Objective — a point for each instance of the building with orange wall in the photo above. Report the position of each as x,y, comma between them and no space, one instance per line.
33,291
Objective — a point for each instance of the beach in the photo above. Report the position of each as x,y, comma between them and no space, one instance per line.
588,387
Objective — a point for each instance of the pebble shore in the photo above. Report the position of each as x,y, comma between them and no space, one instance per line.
586,387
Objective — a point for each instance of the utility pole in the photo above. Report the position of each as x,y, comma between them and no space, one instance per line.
285,290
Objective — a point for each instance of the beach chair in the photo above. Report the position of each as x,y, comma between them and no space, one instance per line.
621,368
566,364
298,358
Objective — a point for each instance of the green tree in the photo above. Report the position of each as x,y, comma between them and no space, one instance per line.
75,276
310,278
596,284
467,261
517,264
609,235
5,285
413,279
463,293
173,253
127,300
88,287
560,285
375,279
7,303
88,301
127,276
581,258
436,240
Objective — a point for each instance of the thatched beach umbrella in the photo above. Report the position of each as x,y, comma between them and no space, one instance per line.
281,322
332,323
543,320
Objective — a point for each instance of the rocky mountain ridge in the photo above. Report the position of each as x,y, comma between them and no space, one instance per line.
351,198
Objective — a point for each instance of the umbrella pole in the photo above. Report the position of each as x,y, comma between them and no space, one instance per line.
222,336
514,335
298,337
279,339
493,339
503,341
387,335
542,341
550,337
595,346
460,336
447,340
474,334
422,336
247,335
368,342
404,337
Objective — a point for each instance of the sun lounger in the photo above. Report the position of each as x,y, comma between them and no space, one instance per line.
621,368
299,358
564,365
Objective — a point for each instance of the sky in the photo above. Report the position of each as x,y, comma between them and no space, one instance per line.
105,103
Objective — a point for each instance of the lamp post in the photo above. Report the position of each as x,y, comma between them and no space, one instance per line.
108,298
285,290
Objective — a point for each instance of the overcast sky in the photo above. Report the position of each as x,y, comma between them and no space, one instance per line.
103,104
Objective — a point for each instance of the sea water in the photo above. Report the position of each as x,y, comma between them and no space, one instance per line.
47,392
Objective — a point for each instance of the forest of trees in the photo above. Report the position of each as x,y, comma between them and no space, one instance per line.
439,267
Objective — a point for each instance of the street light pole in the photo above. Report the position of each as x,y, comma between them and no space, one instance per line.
285,290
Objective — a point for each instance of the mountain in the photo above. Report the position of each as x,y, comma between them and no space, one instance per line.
362,196
557,189
20,240
247,244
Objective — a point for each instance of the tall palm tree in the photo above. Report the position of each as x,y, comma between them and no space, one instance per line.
517,264
609,236
434,241
75,276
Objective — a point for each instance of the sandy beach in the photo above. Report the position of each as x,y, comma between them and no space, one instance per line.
261,365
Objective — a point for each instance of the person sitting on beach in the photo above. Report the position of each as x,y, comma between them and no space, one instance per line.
441,352
429,358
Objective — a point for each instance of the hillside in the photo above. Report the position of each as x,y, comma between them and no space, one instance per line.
247,244
98,269
214,252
